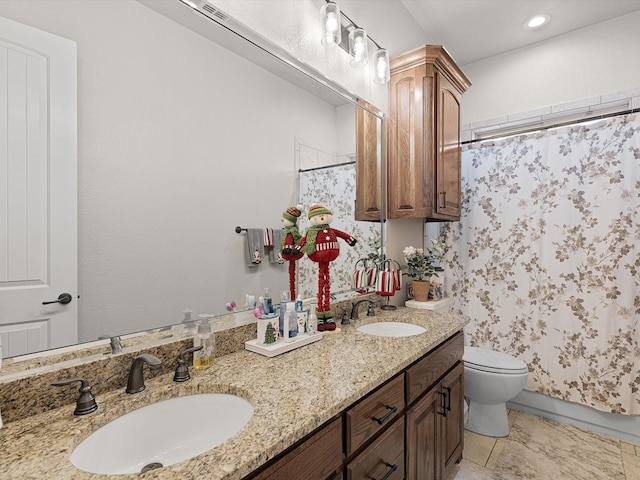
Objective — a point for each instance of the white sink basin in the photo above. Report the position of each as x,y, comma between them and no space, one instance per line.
392,329
162,433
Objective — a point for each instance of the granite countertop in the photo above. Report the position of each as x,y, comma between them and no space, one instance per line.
292,394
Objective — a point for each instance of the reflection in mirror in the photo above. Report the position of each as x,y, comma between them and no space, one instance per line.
179,141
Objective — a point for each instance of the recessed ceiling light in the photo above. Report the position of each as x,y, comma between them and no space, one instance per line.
537,21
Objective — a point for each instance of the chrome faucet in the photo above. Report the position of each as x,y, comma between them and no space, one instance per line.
86,402
370,309
116,343
135,384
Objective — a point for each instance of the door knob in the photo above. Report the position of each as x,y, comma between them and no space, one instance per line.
63,298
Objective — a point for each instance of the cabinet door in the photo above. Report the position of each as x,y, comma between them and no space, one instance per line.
369,161
452,425
421,437
317,458
448,150
406,169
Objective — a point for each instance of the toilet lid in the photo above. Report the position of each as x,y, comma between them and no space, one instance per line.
488,360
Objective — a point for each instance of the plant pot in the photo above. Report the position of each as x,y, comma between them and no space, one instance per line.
420,290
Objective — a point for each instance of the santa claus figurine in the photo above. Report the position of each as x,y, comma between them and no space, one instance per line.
291,237
320,243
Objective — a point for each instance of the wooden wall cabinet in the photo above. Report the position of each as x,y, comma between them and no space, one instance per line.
423,161
369,162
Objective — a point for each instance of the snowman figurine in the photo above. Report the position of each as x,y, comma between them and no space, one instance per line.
320,243
291,237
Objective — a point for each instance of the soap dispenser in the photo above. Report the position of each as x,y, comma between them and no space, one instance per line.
204,358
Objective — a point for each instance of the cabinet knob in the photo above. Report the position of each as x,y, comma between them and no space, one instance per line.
444,200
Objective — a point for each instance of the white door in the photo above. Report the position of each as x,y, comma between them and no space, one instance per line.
38,189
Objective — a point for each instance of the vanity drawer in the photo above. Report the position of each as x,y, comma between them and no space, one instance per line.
384,457
423,374
373,413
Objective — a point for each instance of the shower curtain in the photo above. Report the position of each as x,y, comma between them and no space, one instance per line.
546,257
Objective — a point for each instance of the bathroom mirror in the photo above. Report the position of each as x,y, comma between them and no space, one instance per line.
180,141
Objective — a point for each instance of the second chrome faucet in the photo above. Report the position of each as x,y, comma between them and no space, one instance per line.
135,384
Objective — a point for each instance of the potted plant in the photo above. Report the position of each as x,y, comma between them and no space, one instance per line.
420,268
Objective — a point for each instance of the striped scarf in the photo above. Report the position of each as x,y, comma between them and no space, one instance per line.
293,230
312,232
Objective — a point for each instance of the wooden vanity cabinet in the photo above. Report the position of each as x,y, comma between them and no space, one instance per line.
423,160
411,427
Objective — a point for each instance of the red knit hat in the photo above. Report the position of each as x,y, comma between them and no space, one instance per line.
292,213
318,210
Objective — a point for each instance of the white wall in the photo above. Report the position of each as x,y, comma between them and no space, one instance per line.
601,59
179,142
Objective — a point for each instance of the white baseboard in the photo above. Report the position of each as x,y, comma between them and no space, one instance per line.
624,427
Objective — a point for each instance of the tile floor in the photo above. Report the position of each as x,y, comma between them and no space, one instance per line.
541,449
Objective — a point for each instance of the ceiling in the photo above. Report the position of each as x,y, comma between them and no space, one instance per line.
473,30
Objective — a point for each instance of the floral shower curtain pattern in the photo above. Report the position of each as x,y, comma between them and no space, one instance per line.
334,187
546,258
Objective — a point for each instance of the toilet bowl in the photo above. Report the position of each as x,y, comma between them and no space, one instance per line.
490,380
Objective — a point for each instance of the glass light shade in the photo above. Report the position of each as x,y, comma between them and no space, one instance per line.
331,24
382,73
358,47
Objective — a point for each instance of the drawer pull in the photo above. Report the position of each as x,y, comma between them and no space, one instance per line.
444,408
391,411
392,468
448,397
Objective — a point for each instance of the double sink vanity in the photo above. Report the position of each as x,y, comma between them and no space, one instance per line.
353,405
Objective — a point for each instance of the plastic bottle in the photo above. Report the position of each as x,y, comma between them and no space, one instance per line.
299,307
204,358
286,325
285,297
293,320
268,303
312,321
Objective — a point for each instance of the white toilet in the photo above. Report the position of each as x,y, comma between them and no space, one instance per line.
490,380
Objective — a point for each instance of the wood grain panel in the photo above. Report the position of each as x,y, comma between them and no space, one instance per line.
369,161
377,461
425,373
422,438
318,458
359,420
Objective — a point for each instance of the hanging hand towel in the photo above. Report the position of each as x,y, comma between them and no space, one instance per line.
372,274
268,237
385,285
274,252
255,237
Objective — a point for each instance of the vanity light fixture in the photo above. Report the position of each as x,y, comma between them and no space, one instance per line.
358,45
332,25
383,74
537,21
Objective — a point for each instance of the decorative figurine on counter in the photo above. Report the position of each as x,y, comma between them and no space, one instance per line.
320,243
291,238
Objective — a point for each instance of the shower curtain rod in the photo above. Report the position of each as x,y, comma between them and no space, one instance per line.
303,170
548,127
